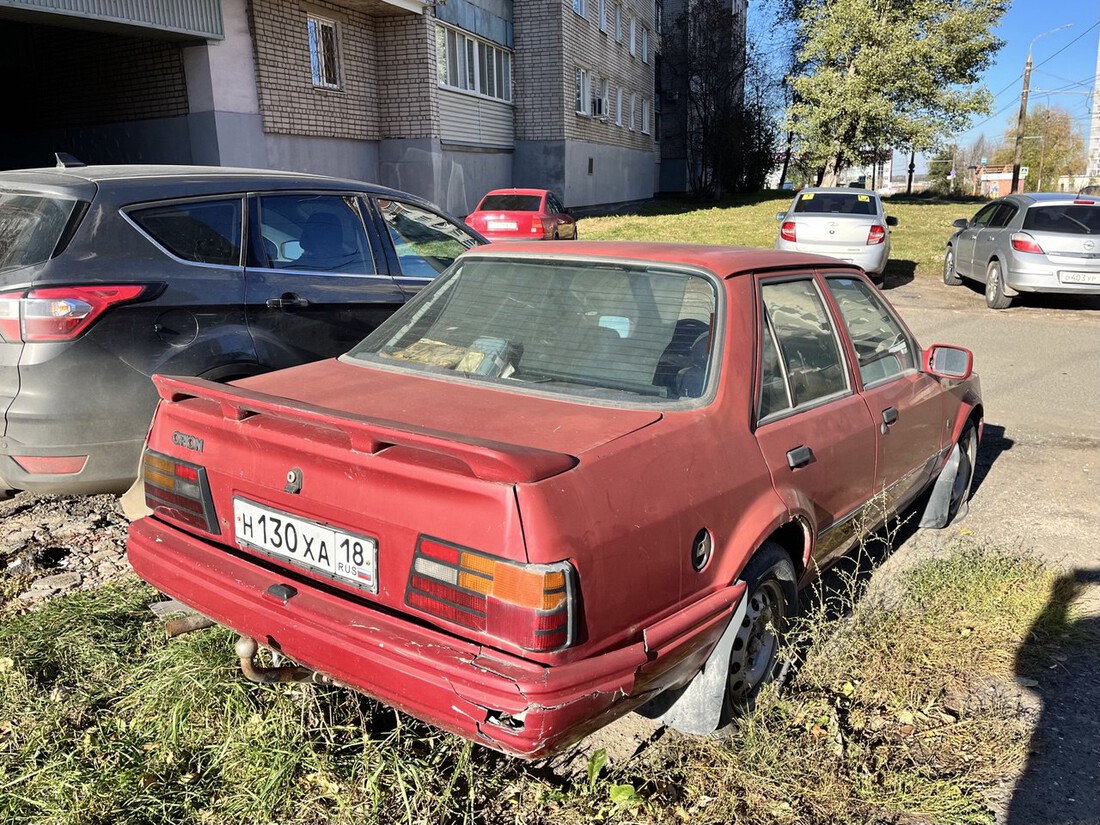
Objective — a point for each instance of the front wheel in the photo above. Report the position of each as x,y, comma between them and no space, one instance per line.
967,446
950,275
771,597
995,297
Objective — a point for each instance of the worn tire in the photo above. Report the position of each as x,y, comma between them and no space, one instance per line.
964,478
950,274
772,596
995,297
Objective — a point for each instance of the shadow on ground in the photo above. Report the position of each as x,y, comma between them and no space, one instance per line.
1059,660
1041,300
898,273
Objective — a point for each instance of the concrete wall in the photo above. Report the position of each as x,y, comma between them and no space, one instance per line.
617,175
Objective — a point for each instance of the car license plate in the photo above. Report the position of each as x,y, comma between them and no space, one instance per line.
502,225
336,553
1079,277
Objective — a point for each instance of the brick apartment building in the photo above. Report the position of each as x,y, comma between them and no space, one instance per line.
445,99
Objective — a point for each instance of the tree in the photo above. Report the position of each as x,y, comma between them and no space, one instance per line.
881,73
1052,147
940,169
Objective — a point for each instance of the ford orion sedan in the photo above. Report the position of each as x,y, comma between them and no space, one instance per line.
558,486
849,224
1040,242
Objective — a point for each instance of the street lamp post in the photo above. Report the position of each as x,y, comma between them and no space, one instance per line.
1023,108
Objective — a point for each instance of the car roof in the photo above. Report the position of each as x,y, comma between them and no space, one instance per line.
517,192
838,190
1033,198
721,260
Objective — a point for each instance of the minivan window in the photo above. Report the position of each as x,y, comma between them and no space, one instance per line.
30,227
205,232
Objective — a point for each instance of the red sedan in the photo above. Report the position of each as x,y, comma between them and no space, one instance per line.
522,215
558,486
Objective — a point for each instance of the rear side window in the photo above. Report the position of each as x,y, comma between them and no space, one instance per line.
511,203
205,232
30,227
836,203
1067,219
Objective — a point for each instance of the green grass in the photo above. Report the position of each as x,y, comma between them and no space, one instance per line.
103,721
749,220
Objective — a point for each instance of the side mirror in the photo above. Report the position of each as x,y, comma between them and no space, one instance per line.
891,220
780,215
961,223
945,361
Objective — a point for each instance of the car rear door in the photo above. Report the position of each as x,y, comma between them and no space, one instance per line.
814,430
906,405
317,281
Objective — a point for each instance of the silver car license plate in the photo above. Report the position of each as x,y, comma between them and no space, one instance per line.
1079,277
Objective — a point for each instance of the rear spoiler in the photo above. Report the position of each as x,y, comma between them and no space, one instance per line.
484,459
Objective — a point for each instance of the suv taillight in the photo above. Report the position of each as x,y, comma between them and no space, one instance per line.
178,490
59,313
530,605
877,234
786,231
1023,242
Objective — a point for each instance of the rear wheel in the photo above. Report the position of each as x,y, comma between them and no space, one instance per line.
771,597
950,274
995,297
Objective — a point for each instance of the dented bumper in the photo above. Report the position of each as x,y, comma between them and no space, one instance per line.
505,702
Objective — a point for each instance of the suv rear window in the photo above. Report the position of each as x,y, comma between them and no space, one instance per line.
510,203
206,232
840,203
30,227
1067,219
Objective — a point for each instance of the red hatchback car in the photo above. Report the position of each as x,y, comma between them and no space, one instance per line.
522,215
556,487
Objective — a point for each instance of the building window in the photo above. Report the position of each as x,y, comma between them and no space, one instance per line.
582,93
633,112
324,57
601,12
463,62
599,99
631,46
645,116
645,44
618,23
619,107
581,7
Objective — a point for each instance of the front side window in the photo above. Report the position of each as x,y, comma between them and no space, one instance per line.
314,233
611,332
883,349
426,243
472,65
324,57
205,232
806,343
985,215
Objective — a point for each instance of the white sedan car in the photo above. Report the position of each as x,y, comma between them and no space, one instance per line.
848,224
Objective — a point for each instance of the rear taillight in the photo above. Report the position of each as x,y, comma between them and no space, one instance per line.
1023,242
59,313
542,228
59,465
530,605
786,231
178,490
876,235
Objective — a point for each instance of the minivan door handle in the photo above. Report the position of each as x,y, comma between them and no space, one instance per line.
799,457
288,300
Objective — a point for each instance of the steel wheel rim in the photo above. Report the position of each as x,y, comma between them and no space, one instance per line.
756,646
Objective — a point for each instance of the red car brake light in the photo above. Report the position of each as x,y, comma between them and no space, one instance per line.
1023,242
786,231
59,313
530,605
877,235
178,491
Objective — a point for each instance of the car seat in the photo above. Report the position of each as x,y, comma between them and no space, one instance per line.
322,244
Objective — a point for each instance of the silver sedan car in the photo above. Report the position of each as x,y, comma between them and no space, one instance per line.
848,224
1041,242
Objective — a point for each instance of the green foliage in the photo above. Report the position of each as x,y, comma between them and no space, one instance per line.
881,73
1052,146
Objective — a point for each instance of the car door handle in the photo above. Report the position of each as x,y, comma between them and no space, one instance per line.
287,301
799,457
889,416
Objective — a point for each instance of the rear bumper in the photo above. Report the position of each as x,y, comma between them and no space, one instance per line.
871,259
109,468
1023,274
517,706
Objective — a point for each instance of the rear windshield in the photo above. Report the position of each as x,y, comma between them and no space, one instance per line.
30,227
1067,219
511,203
841,203
615,332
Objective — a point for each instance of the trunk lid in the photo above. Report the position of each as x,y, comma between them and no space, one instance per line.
833,231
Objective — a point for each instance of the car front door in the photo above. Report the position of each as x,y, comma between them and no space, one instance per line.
992,237
905,404
814,430
316,283
965,261
422,243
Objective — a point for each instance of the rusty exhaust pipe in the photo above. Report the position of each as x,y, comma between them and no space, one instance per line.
247,648
186,624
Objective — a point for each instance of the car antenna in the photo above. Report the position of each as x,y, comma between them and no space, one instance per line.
67,161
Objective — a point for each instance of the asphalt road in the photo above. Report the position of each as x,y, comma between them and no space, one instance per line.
1037,491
